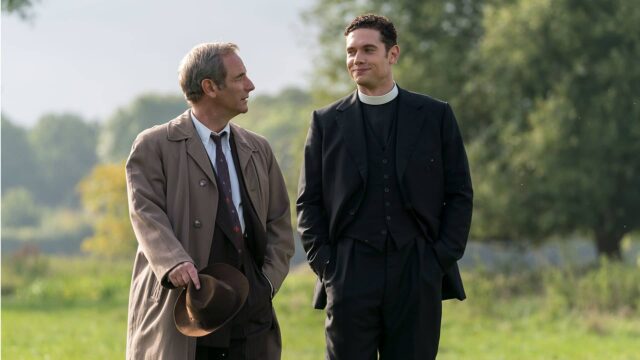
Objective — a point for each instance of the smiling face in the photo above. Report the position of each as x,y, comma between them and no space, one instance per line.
369,63
233,97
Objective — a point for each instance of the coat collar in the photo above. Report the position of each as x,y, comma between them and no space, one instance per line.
182,128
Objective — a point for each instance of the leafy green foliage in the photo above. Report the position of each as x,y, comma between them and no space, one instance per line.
560,154
22,8
64,148
19,209
18,163
123,126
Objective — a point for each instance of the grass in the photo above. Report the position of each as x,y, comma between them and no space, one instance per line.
73,332
65,317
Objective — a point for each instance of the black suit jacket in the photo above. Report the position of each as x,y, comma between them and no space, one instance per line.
431,168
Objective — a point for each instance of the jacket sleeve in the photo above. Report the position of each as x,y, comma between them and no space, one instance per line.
146,183
455,221
280,246
313,223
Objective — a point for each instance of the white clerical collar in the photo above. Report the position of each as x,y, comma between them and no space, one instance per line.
379,100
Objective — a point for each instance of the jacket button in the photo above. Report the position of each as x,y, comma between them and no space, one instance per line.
352,212
203,182
197,224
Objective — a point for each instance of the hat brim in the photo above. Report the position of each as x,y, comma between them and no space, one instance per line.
223,272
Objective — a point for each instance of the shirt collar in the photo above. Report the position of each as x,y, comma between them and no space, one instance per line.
204,132
379,100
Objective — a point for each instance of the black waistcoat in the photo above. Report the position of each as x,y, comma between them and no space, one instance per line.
256,314
381,213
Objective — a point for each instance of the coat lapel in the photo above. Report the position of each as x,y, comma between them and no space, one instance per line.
349,118
245,152
409,127
182,129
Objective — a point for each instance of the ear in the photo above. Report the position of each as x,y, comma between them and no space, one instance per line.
394,54
209,87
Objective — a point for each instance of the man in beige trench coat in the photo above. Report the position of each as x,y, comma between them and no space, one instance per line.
174,189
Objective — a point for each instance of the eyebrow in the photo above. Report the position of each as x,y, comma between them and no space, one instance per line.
363,46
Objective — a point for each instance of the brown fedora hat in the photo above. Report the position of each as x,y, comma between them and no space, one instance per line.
223,291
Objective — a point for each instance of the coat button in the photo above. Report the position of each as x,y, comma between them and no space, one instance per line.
197,224
352,212
203,182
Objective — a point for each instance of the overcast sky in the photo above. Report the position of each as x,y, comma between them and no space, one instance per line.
92,56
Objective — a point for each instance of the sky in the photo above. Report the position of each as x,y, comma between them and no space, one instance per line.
91,57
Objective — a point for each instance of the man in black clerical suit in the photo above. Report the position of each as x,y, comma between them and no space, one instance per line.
384,207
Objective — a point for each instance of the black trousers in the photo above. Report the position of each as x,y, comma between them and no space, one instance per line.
383,303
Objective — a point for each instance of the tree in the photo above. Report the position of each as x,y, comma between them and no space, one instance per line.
19,209
560,155
104,195
123,126
18,165
64,148
20,7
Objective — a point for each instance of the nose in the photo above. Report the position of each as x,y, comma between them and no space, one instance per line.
249,85
358,58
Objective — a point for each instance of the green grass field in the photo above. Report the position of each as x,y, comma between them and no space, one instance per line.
77,310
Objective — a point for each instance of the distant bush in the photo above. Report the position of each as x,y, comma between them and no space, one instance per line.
19,208
608,287
66,281
23,266
60,231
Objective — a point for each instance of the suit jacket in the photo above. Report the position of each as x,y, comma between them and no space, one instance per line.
431,168
173,200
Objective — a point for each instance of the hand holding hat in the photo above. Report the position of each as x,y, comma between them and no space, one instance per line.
223,291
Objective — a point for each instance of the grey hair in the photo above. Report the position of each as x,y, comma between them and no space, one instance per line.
204,61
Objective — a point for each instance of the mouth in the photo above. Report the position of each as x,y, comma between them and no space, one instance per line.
245,99
359,71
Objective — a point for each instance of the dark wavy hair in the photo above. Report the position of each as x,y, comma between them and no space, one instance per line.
387,31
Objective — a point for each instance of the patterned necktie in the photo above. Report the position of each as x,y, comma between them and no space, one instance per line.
224,181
